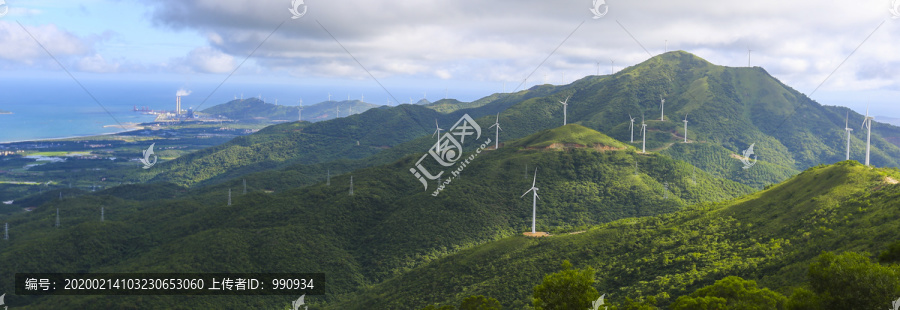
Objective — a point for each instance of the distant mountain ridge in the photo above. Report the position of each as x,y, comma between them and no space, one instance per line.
256,110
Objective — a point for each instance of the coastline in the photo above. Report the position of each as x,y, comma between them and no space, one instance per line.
76,137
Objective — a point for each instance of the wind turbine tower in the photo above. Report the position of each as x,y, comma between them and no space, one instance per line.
662,108
848,129
685,128
497,134
644,135
328,182
565,104
229,196
632,127
533,200
867,123
101,214
351,185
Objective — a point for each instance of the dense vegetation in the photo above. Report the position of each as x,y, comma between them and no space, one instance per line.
771,237
354,239
654,226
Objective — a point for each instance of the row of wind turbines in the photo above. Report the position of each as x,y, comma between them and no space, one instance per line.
867,124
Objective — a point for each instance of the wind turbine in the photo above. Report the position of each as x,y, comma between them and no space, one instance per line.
662,108
497,134
848,129
748,56
685,127
644,135
565,104
632,127
533,200
867,122
437,132
351,185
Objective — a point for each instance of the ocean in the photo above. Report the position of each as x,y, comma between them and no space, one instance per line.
57,107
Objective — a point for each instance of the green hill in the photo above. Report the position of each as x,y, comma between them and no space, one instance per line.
389,227
571,134
770,236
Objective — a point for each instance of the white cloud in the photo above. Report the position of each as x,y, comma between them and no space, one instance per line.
799,41
96,63
206,59
18,46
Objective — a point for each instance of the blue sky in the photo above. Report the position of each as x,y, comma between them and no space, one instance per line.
465,48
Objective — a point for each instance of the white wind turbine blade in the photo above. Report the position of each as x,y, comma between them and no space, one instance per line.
535,178
526,192
866,118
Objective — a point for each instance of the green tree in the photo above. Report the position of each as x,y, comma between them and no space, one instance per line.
434,307
803,299
731,293
569,289
852,281
479,302
891,255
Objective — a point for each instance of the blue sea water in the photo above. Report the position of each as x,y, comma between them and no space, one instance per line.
45,109
54,105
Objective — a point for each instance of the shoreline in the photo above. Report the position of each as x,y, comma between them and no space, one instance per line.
74,137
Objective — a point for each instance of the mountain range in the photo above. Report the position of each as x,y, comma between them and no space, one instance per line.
657,224
256,110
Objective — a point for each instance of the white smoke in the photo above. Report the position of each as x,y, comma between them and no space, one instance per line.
182,92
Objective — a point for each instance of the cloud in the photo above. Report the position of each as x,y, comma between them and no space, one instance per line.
96,63
208,60
800,41
18,46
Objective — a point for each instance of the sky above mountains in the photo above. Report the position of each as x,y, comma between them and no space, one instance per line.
838,53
